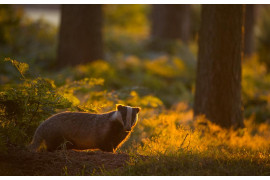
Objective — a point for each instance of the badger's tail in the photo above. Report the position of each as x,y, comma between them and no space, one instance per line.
36,142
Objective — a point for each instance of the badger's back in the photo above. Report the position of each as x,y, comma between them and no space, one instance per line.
79,130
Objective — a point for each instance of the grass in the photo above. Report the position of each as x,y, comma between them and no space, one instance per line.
198,164
173,148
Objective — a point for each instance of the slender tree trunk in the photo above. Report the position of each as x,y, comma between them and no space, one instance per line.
250,19
171,22
218,84
80,38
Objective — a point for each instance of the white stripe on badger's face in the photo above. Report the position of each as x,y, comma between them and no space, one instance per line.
128,118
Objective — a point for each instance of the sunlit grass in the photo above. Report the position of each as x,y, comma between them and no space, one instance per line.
175,144
167,133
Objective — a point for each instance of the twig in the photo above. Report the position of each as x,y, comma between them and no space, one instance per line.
184,141
188,143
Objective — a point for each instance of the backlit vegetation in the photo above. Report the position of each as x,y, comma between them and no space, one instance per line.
161,84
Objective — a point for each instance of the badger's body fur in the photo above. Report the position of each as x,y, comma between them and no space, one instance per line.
86,131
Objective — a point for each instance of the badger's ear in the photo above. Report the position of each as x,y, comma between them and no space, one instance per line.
137,109
119,107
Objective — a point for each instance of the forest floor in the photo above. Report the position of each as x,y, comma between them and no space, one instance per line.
63,162
21,162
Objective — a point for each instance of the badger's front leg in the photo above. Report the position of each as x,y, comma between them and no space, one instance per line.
108,148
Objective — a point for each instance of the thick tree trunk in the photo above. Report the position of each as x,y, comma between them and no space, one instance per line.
171,22
80,38
218,84
250,19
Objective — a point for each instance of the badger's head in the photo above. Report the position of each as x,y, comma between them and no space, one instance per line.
128,115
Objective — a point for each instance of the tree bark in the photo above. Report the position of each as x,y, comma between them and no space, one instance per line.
80,38
171,22
250,19
218,83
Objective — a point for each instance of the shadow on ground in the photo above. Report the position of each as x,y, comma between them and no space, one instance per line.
23,162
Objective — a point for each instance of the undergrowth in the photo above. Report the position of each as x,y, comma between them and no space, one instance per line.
170,141
173,144
167,140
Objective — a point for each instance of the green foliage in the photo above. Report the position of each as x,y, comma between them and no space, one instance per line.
126,16
167,78
21,67
255,90
23,106
126,27
34,42
8,20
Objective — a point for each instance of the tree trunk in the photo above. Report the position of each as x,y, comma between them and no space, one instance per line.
80,38
218,84
250,19
171,22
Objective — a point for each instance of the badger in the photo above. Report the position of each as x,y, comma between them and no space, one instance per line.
81,131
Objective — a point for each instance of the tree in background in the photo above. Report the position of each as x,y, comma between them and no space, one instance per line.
80,38
171,22
250,20
218,84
